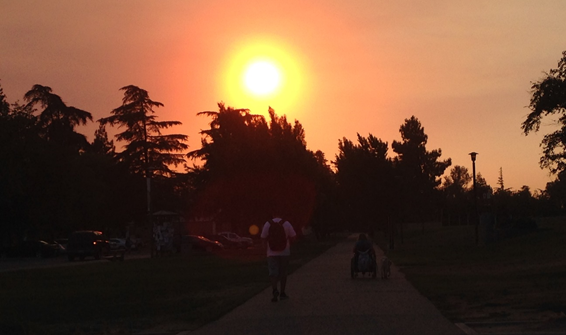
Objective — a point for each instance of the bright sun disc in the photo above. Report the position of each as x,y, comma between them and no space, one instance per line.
262,77
262,73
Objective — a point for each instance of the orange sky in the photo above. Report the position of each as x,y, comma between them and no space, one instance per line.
463,68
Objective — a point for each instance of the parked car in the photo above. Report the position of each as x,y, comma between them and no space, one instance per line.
229,244
198,242
116,243
63,243
91,243
61,249
34,248
242,242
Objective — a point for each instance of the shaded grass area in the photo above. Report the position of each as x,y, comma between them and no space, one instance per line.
125,297
519,278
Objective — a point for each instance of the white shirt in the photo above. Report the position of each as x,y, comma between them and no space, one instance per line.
289,231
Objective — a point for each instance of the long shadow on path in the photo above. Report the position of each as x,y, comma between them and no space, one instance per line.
324,299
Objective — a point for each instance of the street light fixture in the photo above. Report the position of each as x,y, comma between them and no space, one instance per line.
473,155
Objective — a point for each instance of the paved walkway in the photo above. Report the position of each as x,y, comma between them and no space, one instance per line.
325,300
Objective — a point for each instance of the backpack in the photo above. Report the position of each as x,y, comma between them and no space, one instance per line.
364,261
277,237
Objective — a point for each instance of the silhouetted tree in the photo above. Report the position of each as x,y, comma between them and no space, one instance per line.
458,201
252,168
549,98
147,151
366,182
500,181
4,105
101,144
484,190
458,180
57,120
524,202
556,191
419,169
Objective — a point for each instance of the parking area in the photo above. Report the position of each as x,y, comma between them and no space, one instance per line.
22,263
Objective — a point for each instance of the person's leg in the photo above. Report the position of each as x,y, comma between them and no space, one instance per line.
283,265
274,275
274,281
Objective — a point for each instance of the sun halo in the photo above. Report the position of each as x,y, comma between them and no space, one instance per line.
275,77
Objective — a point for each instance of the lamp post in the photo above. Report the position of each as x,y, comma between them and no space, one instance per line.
473,155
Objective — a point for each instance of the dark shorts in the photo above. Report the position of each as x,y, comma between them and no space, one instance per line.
277,265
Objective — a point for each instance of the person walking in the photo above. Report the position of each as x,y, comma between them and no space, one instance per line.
277,235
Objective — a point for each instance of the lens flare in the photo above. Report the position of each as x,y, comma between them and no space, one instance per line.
254,230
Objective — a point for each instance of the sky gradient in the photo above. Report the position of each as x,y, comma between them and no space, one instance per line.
463,68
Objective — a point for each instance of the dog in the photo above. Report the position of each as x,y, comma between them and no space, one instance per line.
385,267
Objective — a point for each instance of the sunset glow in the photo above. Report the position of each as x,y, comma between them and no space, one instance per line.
463,68
261,74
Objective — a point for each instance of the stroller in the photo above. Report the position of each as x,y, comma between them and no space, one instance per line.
366,263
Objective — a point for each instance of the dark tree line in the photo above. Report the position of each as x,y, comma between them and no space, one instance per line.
53,180
254,168
378,191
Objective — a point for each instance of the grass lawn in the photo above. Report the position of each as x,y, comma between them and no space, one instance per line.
126,297
518,278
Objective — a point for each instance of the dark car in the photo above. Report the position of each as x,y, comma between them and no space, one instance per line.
63,242
88,243
229,244
34,248
197,242
243,242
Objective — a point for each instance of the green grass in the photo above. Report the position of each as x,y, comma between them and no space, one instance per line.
510,279
129,296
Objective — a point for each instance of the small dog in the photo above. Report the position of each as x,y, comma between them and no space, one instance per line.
385,267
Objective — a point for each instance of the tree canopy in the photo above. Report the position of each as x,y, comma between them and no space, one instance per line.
253,169
57,120
366,182
548,97
419,169
147,151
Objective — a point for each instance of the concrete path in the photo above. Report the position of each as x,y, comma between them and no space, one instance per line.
324,299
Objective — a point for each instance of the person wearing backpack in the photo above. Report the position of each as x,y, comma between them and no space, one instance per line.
363,245
277,235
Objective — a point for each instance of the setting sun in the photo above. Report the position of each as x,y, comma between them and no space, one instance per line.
262,77
263,73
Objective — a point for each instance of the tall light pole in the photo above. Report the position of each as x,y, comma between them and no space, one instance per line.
473,155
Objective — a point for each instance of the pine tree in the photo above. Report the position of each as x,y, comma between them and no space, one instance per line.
147,151
500,180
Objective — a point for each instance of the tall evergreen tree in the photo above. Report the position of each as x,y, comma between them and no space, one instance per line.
57,120
147,151
500,180
419,169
